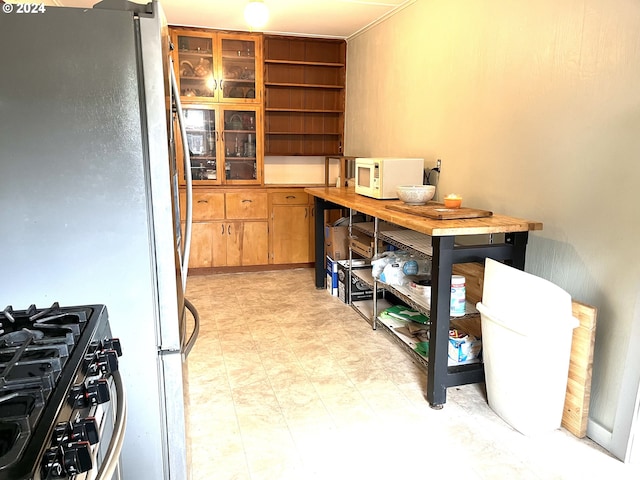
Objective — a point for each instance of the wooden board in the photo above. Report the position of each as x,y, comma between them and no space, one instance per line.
438,212
578,396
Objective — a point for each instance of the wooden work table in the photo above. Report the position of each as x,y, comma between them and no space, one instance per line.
445,253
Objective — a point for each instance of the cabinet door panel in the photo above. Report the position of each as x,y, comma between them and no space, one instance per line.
203,126
247,205
241,72
290,236
234,243
255,243
290,198
219,244
201,245
312,230
208,206
196,64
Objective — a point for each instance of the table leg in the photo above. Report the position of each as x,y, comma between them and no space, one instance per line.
442,264
519,242
320,206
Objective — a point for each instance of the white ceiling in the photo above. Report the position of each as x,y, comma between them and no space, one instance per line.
328,18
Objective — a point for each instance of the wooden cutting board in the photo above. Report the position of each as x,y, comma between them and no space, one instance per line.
576,404
437,211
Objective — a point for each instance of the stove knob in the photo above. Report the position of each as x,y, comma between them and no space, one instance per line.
52,464
93,346
77,397
107,361
113,344
61,433
89,364
77,458
98,391
86,429
94,393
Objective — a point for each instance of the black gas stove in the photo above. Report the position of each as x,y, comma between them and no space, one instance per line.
56,391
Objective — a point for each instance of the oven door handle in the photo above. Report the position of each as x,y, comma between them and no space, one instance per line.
112,456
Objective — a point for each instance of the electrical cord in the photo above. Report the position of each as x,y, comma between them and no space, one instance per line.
428,175
196,327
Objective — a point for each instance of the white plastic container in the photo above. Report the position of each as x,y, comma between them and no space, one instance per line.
526,339
458,296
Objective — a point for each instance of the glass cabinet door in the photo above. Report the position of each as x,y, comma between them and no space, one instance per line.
241,162
223,144
196,66
239,59
218,67
202,136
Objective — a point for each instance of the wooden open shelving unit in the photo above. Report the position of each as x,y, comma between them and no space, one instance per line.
304,81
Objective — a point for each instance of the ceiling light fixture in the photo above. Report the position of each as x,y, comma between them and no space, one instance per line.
256,13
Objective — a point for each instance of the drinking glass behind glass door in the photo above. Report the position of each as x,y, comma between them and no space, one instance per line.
240,155
200,124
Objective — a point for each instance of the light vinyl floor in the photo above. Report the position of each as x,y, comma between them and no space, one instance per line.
288,383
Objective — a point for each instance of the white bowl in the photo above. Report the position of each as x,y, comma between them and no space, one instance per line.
416,194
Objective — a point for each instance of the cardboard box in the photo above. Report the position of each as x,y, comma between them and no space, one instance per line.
363,244
332,277
359,290
336,241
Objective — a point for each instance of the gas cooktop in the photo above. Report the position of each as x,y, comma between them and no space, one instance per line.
54,366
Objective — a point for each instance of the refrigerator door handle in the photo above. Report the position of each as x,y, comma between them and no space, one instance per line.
188,178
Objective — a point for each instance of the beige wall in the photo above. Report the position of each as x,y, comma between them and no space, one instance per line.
534,109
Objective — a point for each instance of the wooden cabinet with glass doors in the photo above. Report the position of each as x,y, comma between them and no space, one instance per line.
220,81
219,67
224,144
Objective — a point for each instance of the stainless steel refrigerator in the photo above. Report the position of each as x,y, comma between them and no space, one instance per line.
89,200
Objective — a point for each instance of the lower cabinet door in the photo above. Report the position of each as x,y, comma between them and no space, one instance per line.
290,235
234,244
229,244
238,244
312,231
255,243
220,232
201,244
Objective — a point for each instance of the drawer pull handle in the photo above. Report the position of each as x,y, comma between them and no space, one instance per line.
306,212
229,229
246,200
291,196
203,201
222,232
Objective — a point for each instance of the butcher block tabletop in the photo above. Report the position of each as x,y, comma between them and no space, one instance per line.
401,214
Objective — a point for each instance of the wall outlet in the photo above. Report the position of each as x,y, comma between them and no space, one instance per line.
438,165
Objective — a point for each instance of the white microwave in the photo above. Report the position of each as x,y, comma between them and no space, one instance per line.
380,177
